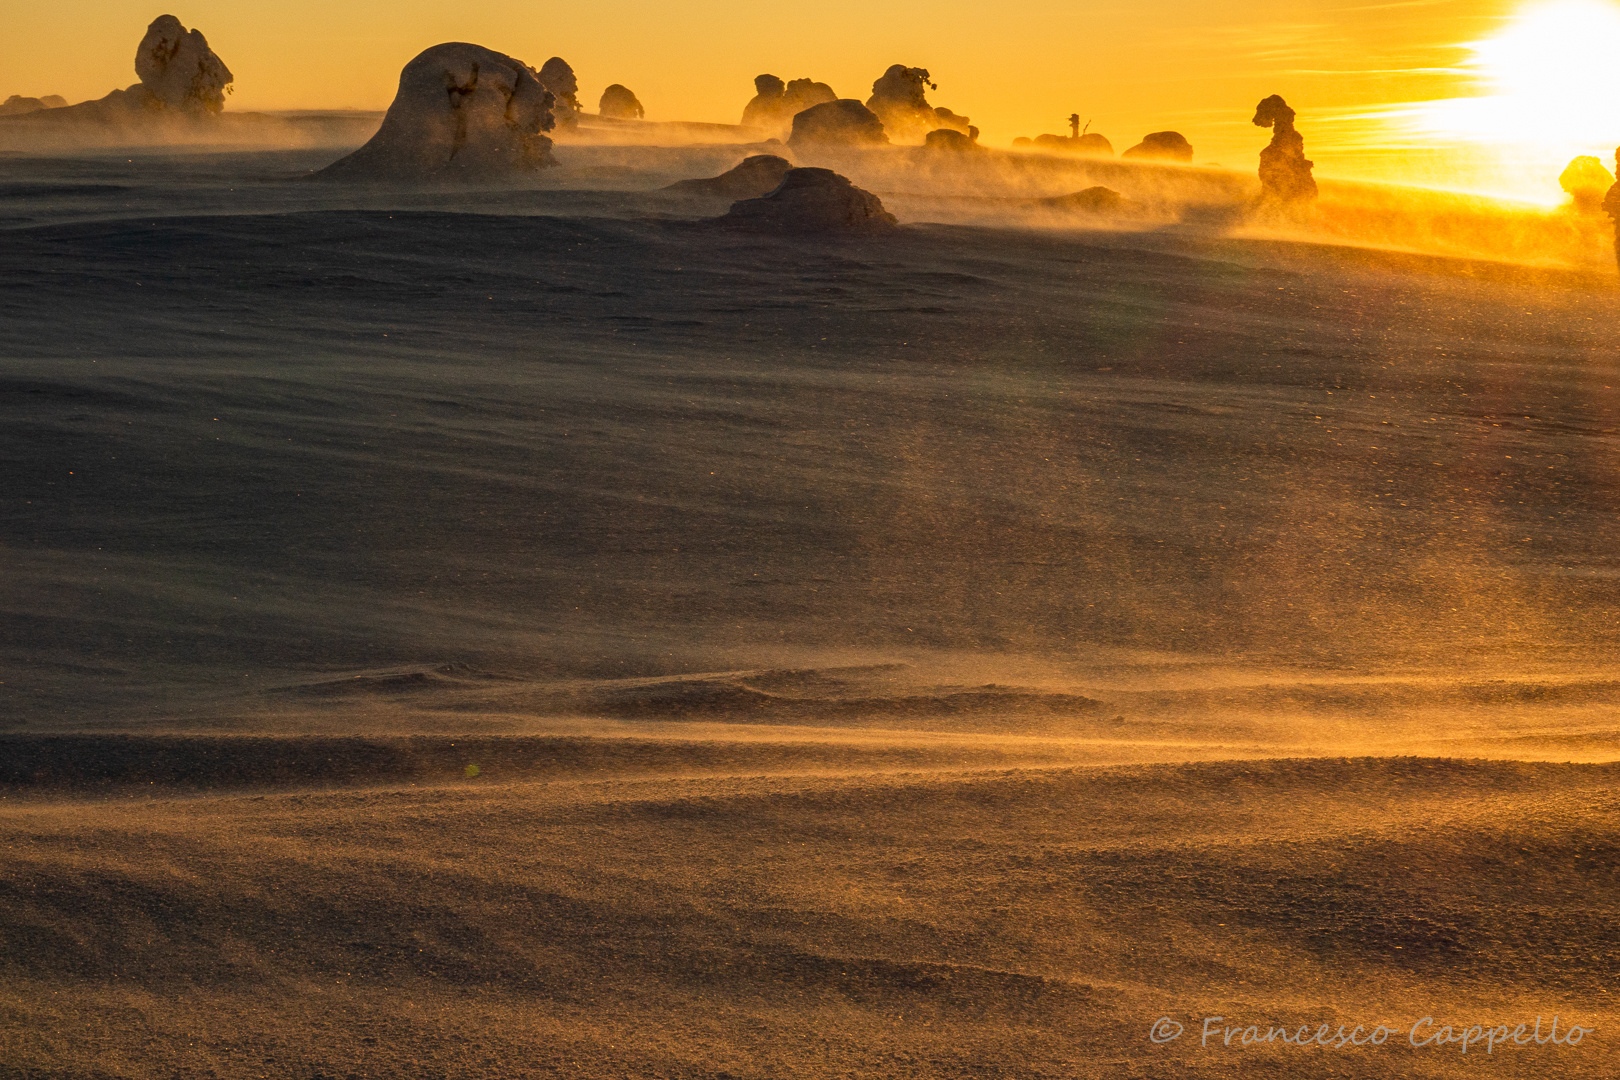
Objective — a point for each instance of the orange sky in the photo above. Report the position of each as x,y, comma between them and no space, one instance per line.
1197,66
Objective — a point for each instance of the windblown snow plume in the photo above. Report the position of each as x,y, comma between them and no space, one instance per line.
462,112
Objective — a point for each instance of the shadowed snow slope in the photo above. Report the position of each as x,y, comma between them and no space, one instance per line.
525,633
607,921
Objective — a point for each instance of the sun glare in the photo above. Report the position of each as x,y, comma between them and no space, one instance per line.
1553,76
1561,63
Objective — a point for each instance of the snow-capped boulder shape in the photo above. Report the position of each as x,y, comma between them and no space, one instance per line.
1093,200
812,201
555,75
753,177
1285,172
1091,144
765,107
900,101
950,139
182,88
775,103
16,105
618,103
947,120
179,70
1162,145
1586,181
462,112
803,93
845,122
1611,205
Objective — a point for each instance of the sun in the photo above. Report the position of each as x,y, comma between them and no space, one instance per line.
1560,62
1551,76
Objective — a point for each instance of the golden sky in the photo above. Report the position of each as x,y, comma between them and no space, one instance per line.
1197,66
